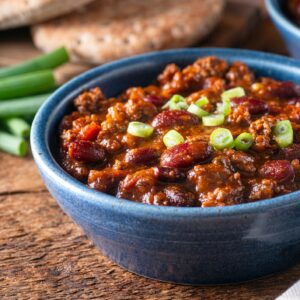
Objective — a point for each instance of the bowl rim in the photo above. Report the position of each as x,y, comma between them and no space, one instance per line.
277,13
49,167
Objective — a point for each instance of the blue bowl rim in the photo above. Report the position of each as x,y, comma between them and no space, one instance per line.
277,14
49,167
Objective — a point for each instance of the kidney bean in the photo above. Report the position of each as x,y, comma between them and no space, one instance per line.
156,100
294,101
186,154
141,155
255,106
279,170
86,151
178,196
89,132
285,90
169,174
289,153
170,118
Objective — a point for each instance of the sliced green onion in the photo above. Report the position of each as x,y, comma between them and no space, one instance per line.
172,138
233,93
202,101
17,126
284,134
46,61
221,138
26,84
224,107
140,129
213,120
22,107
176,102
194,109
244,141
13,144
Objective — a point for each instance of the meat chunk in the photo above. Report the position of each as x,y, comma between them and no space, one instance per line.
174,195
168,74
217,184
239,115
90,101
262,189
138,185
169,174
139,109
261,129
106,180
239,75
116,119
205,67
241,161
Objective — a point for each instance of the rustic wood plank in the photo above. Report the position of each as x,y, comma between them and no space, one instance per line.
44,255
19,175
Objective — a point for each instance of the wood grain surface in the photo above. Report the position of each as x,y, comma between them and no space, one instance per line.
44,255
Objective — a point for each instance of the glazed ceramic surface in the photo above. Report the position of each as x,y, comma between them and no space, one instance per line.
181,245
289,31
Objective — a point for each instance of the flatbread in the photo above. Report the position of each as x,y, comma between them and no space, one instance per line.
15,13
107,30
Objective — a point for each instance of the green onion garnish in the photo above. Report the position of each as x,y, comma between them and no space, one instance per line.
172,138
213,120
284,134
224,107
46,61
221,138
13,144
196,108
22,107
26,84
176,102
244,141
140,129
17,126
233,93
202,101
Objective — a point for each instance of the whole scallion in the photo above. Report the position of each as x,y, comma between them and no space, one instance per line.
46,61
27,84
27,106
17,126
13,144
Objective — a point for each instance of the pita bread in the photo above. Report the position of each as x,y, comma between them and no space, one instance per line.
107,30
14,13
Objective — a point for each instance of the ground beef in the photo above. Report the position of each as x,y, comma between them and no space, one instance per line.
261,129
216,183
239,75
262,189
90,101
239,115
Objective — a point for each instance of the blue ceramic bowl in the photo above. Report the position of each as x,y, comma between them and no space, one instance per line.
181,245
288,30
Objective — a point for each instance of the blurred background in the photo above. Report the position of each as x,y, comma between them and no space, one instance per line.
103,30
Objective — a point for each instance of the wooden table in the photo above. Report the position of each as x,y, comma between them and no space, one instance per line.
44,255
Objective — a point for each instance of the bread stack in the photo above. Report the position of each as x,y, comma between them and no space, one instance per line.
103,30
